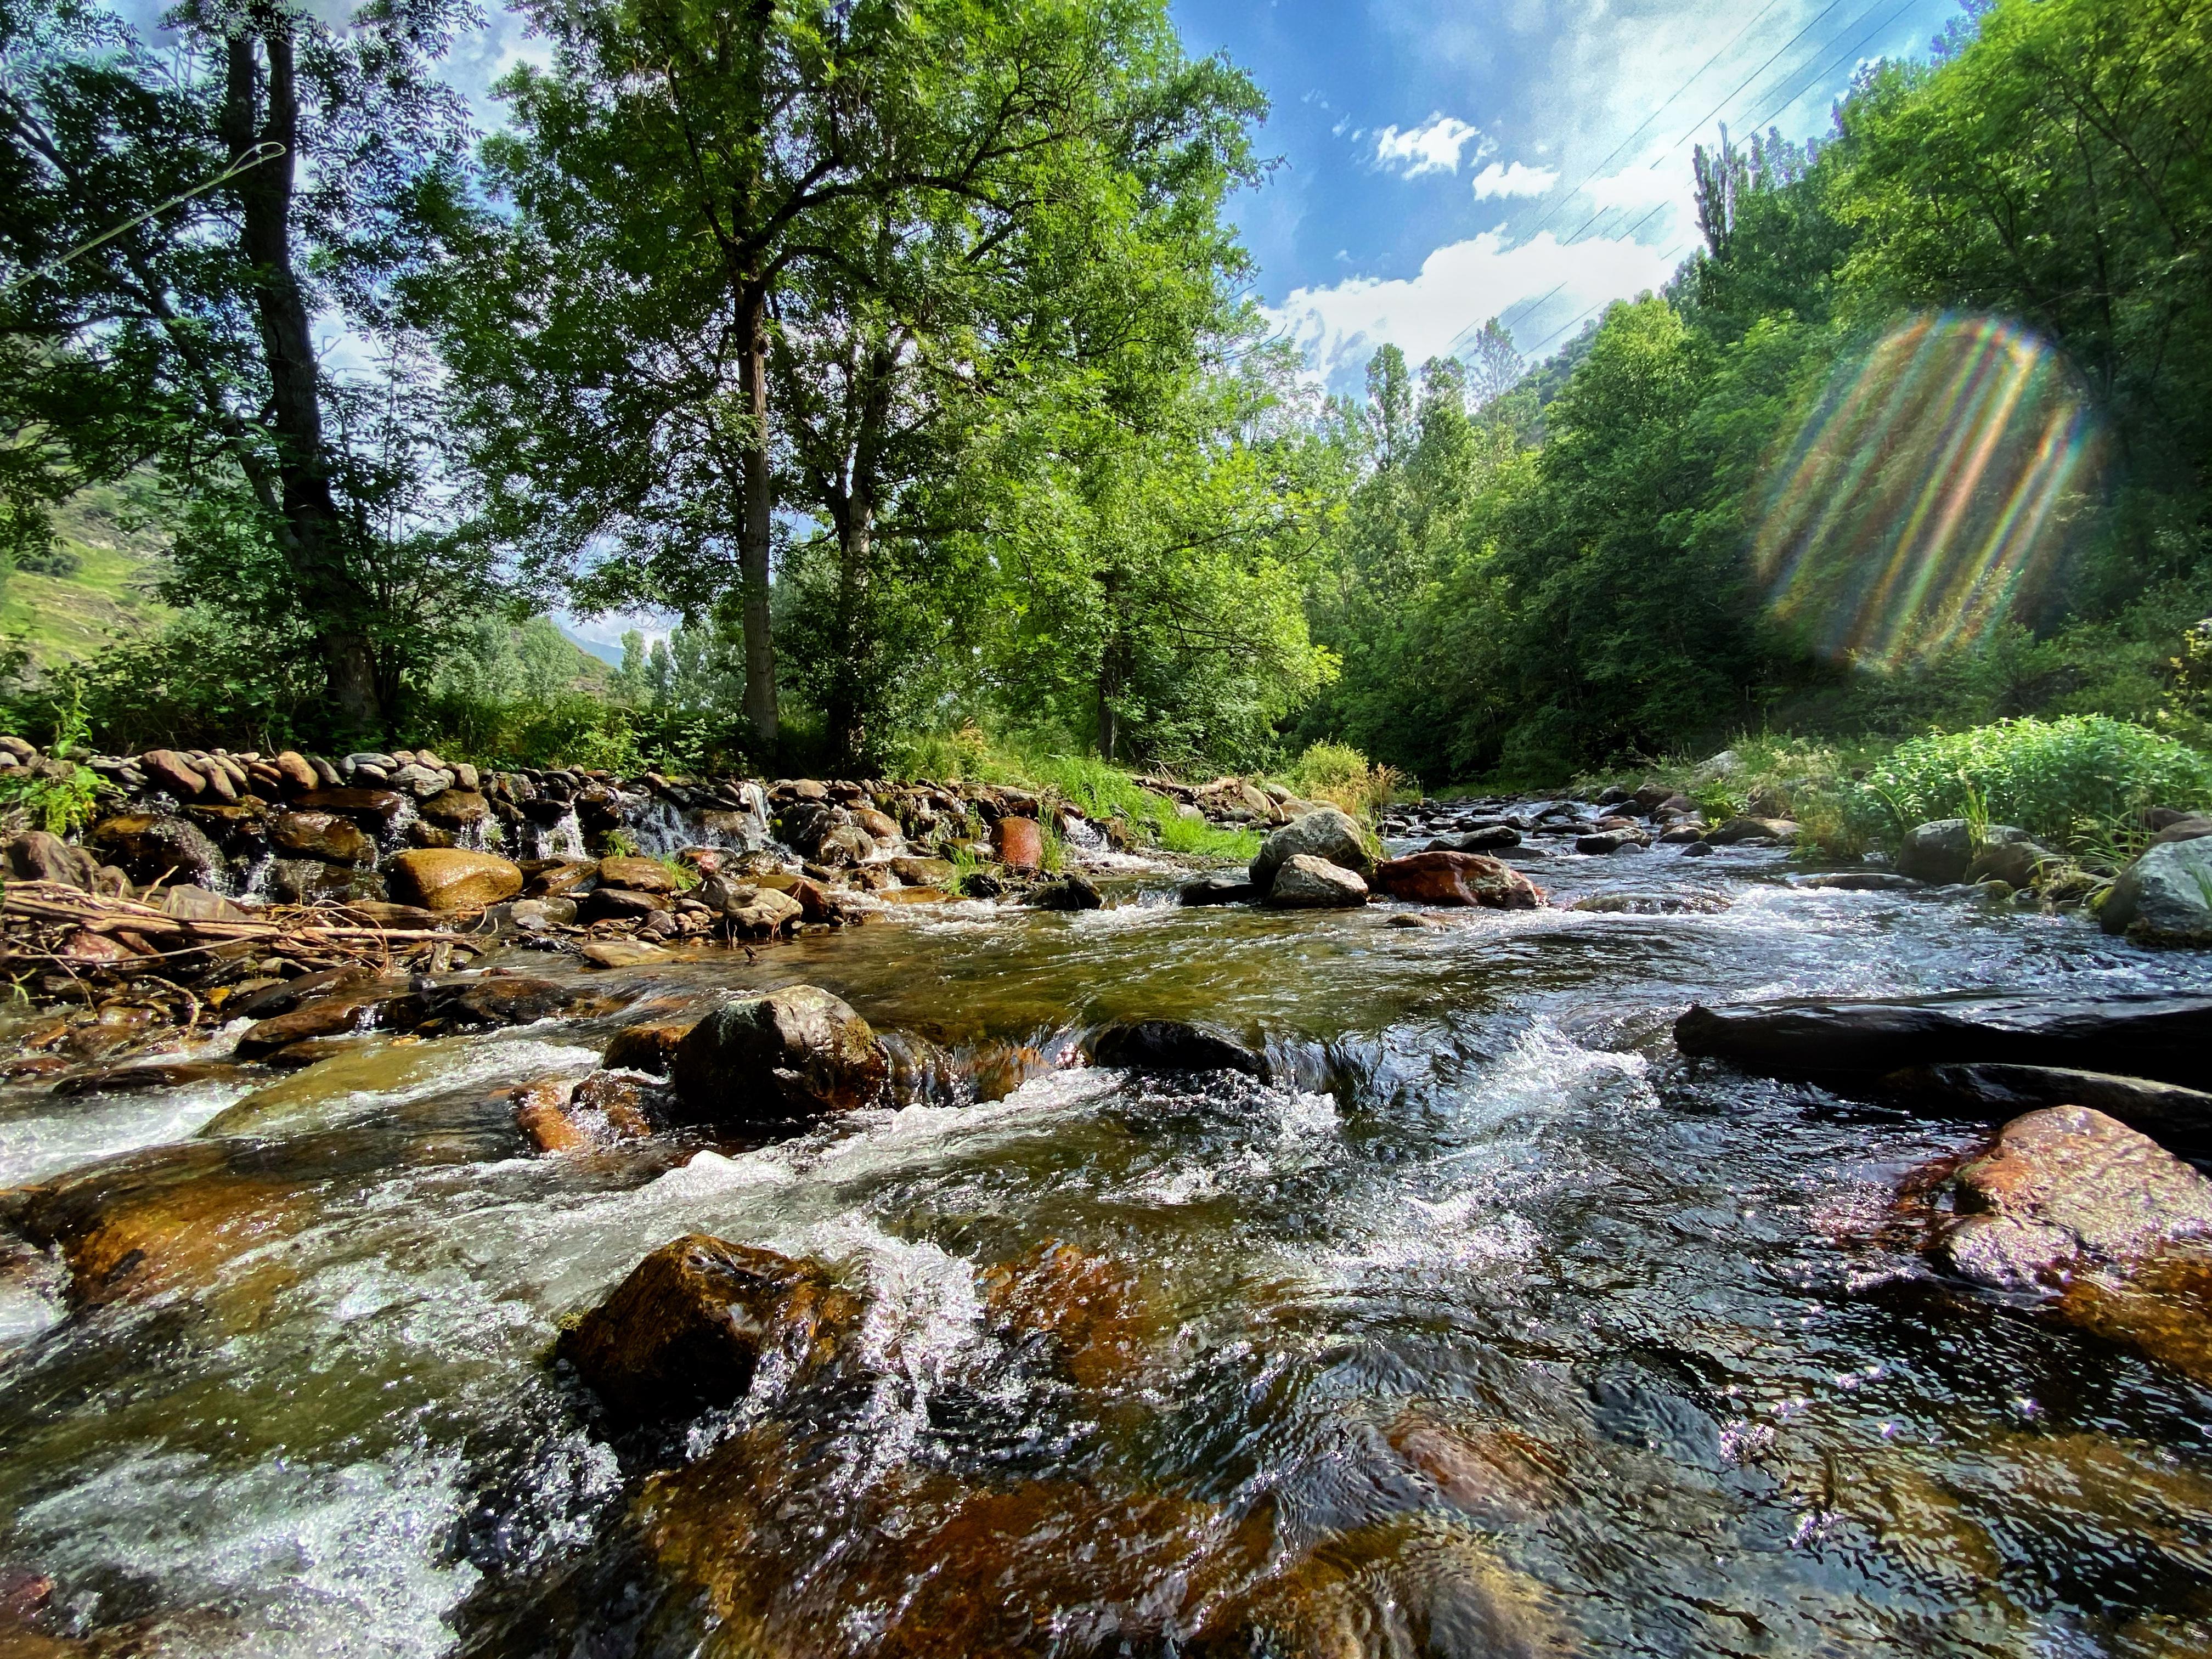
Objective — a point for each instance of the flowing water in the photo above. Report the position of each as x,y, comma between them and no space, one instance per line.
1490,1326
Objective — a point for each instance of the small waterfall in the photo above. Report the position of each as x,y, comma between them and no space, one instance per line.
563,839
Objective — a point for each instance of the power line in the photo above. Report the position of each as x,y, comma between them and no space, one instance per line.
1850,56
1560,200
1681,247
267,150
1699,125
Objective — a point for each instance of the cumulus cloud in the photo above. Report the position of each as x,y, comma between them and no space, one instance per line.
1517,179
1640,186
1432,146
1460,285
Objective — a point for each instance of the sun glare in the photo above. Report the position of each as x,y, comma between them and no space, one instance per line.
1931,494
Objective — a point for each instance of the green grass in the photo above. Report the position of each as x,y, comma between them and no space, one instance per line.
68,618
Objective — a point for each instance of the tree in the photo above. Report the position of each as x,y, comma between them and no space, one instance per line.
183,339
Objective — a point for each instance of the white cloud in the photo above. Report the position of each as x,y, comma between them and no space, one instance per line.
1640,186
1432,146
1517,179
1464,283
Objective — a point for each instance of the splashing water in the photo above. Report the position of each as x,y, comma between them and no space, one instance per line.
1932,494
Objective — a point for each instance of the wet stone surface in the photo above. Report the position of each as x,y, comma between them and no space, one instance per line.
1468,1318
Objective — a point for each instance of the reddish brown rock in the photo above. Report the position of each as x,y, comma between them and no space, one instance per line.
541,1112
1018,843
628,1106
2067,1189
331,1016
1457,879
456,809
373,806
173,773
298,775
646,1047
685,1330
1091,1310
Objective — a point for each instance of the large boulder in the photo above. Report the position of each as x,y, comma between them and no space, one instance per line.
456,809
446,878
637,875
771,1061
40,855
1944,850
1449,878
1327,833
685,1331
2165,898
1307,882
2166,1037
2066,1189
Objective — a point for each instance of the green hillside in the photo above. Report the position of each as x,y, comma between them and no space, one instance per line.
108,591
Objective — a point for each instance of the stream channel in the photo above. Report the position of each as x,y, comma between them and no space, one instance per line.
1492,1325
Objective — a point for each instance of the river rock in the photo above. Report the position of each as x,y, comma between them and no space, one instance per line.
2165,898
1018,843
456,809
170,770
1071,892
1171,1045
923,872
685,1331
448,879
375,808
1092,1311
338,1016
622,953
38,855
637,875
2066,1189
2178,1119
618,904
1327,833
1736,831
2166,1037
1858,881
186,902
1218,887
1306,883
1453,877
304,881
765,912
325,835
155,847
1487,838
297,771
1943,851
650,1047
778,1060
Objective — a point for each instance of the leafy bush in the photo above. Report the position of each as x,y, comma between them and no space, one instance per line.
2080,778
1340,775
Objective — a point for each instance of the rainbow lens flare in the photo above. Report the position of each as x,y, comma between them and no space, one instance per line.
1933,492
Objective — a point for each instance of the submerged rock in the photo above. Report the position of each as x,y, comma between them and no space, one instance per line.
1858,881
153,847
1218,887
2067,1189
1172,1045
776,1061
1327,833
685,1331
1652,904
2178,1119
1306,883
1457,879
647,1047
447,879
1070,892
2166,1037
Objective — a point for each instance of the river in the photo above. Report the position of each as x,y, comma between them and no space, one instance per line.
1492,1325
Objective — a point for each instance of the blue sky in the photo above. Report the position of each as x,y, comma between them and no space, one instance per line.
1442,163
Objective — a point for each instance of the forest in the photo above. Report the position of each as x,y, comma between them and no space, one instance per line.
905,353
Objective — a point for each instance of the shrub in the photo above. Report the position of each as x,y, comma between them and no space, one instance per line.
1340,775
2081,778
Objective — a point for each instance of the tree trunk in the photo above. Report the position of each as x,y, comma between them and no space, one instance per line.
1110,687
312,533
753,549
848,682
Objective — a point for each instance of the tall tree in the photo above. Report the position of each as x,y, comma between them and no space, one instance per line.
182,221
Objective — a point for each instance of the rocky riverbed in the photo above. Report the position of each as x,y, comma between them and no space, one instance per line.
1495,1241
